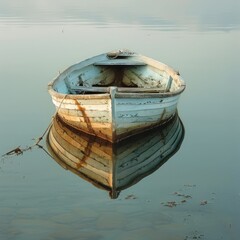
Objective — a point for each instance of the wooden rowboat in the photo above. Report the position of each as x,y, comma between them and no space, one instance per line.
117,94
113,167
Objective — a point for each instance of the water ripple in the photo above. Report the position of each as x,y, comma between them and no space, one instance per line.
164,16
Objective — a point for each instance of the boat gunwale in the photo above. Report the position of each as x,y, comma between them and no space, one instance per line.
149,94
54,93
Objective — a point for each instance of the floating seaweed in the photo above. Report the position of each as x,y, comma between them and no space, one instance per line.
131,196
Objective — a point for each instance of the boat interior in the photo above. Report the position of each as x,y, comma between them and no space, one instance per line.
126,76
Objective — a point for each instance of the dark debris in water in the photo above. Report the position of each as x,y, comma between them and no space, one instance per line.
131,196
175,203
19,151
194,235
190,185
184,198
182,195
204,202
170,204
15,151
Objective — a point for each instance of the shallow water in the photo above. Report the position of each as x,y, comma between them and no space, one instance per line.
40,200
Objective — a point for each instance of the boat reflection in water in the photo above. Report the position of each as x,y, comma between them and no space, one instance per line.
109,166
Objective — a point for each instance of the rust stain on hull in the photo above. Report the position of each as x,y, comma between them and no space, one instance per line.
86,118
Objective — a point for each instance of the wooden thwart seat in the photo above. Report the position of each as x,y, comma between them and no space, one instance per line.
119,89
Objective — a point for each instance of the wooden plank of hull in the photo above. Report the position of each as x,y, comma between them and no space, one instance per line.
102,130
84,100
143,110
93,116
97,123
134,104
138,122
81,107
155,115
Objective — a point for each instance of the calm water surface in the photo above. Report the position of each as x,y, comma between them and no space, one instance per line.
40,200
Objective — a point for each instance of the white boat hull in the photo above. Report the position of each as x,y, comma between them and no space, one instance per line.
116,119
133,98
